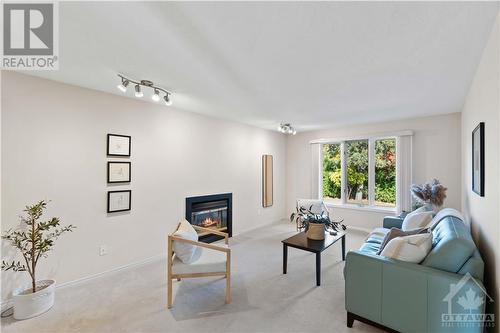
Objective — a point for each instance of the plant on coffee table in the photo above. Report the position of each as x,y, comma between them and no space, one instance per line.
304,217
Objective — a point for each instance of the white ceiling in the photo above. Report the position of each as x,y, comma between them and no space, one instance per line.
312,64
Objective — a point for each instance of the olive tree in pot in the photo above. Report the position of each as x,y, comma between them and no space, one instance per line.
315,225
34,239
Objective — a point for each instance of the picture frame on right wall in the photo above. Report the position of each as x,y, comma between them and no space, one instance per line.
478,159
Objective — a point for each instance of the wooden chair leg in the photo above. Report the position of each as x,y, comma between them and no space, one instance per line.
169,296
169,272
228,278
228,289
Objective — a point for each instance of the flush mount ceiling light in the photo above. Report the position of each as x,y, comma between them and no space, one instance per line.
145,83
287,129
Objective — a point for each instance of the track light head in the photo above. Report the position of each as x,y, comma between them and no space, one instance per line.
123,85
168,100
287,129
156,96
138,92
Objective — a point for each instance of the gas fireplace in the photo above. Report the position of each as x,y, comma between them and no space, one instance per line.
210,211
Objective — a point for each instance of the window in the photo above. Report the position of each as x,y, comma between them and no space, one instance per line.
385,172
360,172
332,173
356,154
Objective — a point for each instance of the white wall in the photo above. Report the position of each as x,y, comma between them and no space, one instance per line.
482,104
436,154
54,147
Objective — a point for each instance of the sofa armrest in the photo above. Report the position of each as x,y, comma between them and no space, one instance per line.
392,222
404,296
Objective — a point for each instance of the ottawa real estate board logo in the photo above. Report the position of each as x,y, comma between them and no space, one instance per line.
30,36
466,303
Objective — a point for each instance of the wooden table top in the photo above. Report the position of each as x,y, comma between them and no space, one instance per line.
300,241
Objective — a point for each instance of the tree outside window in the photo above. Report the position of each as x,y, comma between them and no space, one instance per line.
332,173
357,172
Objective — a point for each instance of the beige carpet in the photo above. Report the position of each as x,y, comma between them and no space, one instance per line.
264,300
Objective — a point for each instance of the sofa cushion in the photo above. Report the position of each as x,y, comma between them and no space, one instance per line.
377,235
413,248
474,266
452,245
370,248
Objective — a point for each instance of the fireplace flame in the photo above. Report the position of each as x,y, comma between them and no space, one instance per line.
208,222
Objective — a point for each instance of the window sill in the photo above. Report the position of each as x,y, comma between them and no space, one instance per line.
387,210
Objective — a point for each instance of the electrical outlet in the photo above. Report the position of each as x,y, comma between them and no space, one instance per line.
103,250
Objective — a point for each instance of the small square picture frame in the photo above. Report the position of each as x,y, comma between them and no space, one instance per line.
119,201
119,172
118,145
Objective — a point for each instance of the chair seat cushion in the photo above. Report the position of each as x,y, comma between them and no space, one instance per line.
204,261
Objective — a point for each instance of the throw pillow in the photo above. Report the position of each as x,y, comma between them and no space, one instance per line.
416,220
395,232
184,251
412,248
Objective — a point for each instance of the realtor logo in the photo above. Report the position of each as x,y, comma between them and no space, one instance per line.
29,36
466,302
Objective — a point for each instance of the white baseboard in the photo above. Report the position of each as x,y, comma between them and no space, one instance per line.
365,230
8,302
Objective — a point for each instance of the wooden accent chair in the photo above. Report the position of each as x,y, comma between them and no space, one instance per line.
215,260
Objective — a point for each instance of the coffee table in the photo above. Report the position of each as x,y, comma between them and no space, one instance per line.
300,241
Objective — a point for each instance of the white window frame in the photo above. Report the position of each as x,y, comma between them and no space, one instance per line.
371,174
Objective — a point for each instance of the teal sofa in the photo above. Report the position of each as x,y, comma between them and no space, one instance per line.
407,297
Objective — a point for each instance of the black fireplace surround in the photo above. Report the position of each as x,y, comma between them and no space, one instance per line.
211,211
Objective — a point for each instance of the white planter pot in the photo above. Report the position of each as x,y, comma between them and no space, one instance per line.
28,304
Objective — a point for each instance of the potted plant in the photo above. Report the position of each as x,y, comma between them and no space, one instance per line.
315,225
34,239
431,194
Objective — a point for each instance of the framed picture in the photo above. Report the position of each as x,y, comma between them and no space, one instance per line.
119,201
478,159
267,180
119,172
118,145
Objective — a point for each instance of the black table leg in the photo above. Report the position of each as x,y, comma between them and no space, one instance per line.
343,248
318,268
285,257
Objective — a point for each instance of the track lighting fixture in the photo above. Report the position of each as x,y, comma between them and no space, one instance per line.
156,96
167,99
286,128
145,83
123,85
138,92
